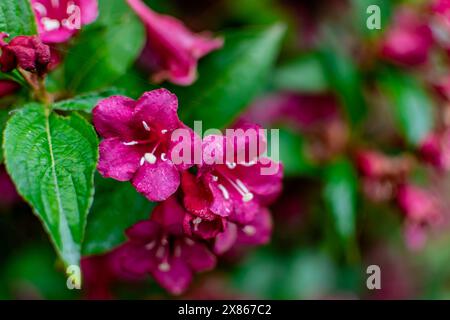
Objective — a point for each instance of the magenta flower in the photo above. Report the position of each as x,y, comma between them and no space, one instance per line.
8,87
137,141
232,188
172,50
408,41
435,150
422,210
254,232
159,247
26,52
59,20
440,21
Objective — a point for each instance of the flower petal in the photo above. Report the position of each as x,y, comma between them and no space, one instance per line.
258,231
176,279
144,231
157,181
118,161
112,117
198,256
225,240
158,108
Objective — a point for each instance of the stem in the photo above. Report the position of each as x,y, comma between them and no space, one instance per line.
37,83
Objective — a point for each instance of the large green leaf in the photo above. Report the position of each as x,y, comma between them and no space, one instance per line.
345,78
303,74
17,18
52,160
116,207
340,197
104,50
86,102
411,106
230,78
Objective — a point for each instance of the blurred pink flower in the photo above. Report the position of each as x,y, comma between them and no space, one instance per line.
26,52
137,140
158,246
422,210
8,192
59,20
172,51
408,41
435,150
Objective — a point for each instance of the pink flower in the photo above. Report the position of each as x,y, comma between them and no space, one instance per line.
440,21
158,246
256,231
26,52
137,141
408,41
172,51
235,188
435,150
59,20
422,210
8,87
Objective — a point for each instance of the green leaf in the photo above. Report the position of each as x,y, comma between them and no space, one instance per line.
52,160
230,78
17,18
345,78
412,108
303,74
104,50
86,102
116,207
340,196
4,115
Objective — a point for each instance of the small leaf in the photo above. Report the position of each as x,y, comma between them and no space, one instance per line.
340,197
86,102
52,160
346,80
116,207
230,78
4,115
104,50
412,108
17,18
303,74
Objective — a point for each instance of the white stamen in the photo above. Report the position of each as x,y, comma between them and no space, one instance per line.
50,24
164,131
225,193
163,157
231,165
196,222
146,127
150,245
131,143
249,230
242,186
247,197
164,267
150,158
142,161
215,178
40,8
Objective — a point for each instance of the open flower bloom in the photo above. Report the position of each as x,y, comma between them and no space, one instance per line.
137,141
158,246
26,52
422,210
408,41
235,186
59,20
172,50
